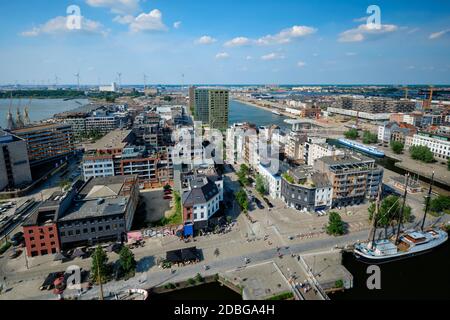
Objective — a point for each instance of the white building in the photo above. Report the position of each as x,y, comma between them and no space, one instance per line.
110,88
314,151
101,166
438,144
201,201
273,181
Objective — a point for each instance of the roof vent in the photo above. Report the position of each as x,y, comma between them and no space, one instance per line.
100,201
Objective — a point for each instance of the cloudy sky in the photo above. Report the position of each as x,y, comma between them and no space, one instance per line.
225,42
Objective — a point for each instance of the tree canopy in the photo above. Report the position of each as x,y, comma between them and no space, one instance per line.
260,185
421,153
127,261
99,269
369,137
242,199
389,212
440,204
335,225
352,134
397,147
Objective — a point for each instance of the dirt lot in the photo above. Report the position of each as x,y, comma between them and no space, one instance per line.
153,207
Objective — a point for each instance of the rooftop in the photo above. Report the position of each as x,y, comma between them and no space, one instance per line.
96,208
202,189
117,139
40,127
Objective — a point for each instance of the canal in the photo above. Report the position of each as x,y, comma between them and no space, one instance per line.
422,277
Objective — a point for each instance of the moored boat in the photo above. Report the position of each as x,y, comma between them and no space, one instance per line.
358,146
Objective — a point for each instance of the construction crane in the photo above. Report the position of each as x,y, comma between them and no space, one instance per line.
427,103
406,89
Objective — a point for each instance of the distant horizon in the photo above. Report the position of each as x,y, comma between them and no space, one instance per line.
226,42
59,86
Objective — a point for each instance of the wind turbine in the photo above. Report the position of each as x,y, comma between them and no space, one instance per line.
119,75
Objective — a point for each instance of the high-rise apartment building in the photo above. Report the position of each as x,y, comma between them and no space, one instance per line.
212,107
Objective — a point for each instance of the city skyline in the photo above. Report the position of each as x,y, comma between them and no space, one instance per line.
179,42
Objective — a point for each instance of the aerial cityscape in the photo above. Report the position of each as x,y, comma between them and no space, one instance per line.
222,151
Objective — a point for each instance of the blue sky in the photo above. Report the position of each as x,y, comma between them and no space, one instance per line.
225,42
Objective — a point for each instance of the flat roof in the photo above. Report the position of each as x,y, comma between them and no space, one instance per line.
41,127
113,140
96,208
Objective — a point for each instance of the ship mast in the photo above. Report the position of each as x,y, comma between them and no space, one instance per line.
400,220
375,217
427,205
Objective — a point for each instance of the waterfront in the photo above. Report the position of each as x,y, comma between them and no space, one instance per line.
421,277
40,109
241,112
206,292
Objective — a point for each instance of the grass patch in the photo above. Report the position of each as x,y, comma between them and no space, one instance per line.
5,247
282,296
176,217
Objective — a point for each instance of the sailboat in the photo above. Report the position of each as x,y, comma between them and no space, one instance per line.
404,244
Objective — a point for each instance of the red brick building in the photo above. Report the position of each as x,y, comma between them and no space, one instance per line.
40,230
41,240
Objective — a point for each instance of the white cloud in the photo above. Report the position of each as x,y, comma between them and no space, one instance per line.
222,55
438,34
205,40
286,35
301,64
151,21
350,54
177,24
116,6
237,42
58,25
127,19
248,58
365,31
272,56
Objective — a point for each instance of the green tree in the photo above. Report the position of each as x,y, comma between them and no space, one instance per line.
244,169
352,134
99,269
243,175
242,199
421,153
397,147
260,185
335,225
127,261
369,138
440,204
389,211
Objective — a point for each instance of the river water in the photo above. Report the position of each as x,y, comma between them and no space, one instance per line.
40,109
241,112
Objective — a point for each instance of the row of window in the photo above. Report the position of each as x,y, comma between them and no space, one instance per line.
78,232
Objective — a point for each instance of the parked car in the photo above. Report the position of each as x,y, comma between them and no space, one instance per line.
17,239
167,197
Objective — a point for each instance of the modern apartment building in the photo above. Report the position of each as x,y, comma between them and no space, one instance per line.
117,155
354,177
47,142
14,165
272,179
212,107
306,190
